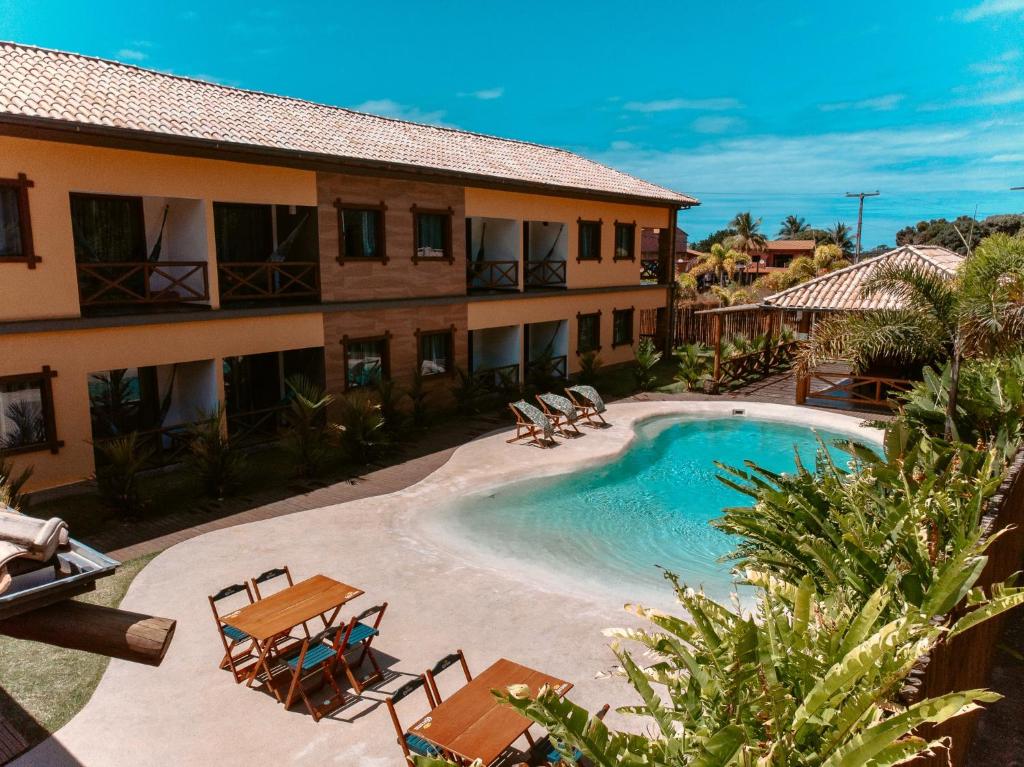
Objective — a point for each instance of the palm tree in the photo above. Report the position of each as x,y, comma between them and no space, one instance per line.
840,235
721,262
747,238
794,228
978,313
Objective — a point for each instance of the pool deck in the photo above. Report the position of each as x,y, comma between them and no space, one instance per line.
187,712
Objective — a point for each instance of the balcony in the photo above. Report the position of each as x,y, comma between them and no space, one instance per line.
650,273
494,248
545,274
492,275
268,281
546,252
547,348
160,284
494,357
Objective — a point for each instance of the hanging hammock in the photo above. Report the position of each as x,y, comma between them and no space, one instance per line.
154,254
278,255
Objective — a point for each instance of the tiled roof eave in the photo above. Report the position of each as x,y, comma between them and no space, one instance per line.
314,160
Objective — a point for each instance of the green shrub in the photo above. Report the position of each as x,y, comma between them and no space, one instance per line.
11,484
388,397
121,461
418,400
647,358
470,395
306,438
217,465
360,427
590,364
695,361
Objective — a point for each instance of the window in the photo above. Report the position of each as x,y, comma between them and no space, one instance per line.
366,360
15,224
622,327
588,333
361,232
589,241
26,413
432,235
625,242
435,354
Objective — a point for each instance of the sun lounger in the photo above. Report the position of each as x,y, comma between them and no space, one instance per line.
562,412
532,423
30,539
589,403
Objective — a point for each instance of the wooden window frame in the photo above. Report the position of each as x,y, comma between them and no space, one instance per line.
632,241
579,231
449,214
450,332
386,367
597,348
381,209
45,380
21,184
631,310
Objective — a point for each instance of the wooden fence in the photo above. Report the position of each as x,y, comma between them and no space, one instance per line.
965,662
691,327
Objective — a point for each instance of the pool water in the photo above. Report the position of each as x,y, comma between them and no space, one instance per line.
613,525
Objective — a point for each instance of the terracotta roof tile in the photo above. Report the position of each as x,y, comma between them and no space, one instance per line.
68,87
841,290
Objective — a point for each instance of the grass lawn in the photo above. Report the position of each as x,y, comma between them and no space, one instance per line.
51,684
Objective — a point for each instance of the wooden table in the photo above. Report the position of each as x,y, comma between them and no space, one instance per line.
472,724
279,613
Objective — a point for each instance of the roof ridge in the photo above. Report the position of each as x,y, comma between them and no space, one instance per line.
845,269
310,102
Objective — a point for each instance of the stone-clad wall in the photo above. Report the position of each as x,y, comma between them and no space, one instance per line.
399,277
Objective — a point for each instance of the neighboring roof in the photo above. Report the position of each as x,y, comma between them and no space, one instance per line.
649,240
841,290
784,245
47,87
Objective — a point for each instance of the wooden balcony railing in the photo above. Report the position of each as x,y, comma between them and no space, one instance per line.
164,446
845,390
142,282
256,426
545,274
649,271
492,275
500,378
753,366
549,368
269,280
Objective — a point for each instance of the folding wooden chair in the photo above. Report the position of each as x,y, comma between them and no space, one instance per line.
589,403
446,662
562,413
314,655
231,637
532,423
411,745
358,636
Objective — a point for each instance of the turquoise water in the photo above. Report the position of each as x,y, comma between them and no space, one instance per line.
613,525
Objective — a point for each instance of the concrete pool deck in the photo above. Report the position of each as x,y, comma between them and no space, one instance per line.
187,712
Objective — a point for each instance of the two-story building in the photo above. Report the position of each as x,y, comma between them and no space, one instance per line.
168,245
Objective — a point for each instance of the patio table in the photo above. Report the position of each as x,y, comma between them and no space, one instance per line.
472,724
276,615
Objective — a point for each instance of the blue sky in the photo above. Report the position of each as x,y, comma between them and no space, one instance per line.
771,107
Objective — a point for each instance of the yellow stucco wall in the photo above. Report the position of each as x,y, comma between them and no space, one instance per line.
520,311
56,169
587,274
73,355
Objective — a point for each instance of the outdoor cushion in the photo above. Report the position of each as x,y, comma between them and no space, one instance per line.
315,655
535,416
232,633
361,632
560,404
590,394
420,746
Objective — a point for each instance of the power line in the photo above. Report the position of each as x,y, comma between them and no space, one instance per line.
860,215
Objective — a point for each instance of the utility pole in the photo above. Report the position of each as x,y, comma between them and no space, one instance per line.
860,215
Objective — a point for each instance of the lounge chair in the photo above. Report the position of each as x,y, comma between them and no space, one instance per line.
589,403
562,412
532,423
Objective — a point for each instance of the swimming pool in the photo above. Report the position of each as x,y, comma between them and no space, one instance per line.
609,527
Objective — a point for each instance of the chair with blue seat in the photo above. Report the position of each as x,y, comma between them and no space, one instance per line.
545,752
357,637
411,745
315,654
231,637
445,663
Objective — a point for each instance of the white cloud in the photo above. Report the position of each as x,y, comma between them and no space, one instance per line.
131,54
487,94
1012,95
391,108
716,124
884,103
998,65
672,105
988,8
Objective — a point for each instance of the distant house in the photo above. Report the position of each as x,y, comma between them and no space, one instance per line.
683,255
777,254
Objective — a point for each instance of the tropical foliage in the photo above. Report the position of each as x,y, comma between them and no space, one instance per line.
120,461
720,262
839,235
590,364
360,427
748,237
794,228
306,436
12,483
646,360
694,365
213,460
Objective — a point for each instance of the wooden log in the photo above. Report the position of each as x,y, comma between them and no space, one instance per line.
97,629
